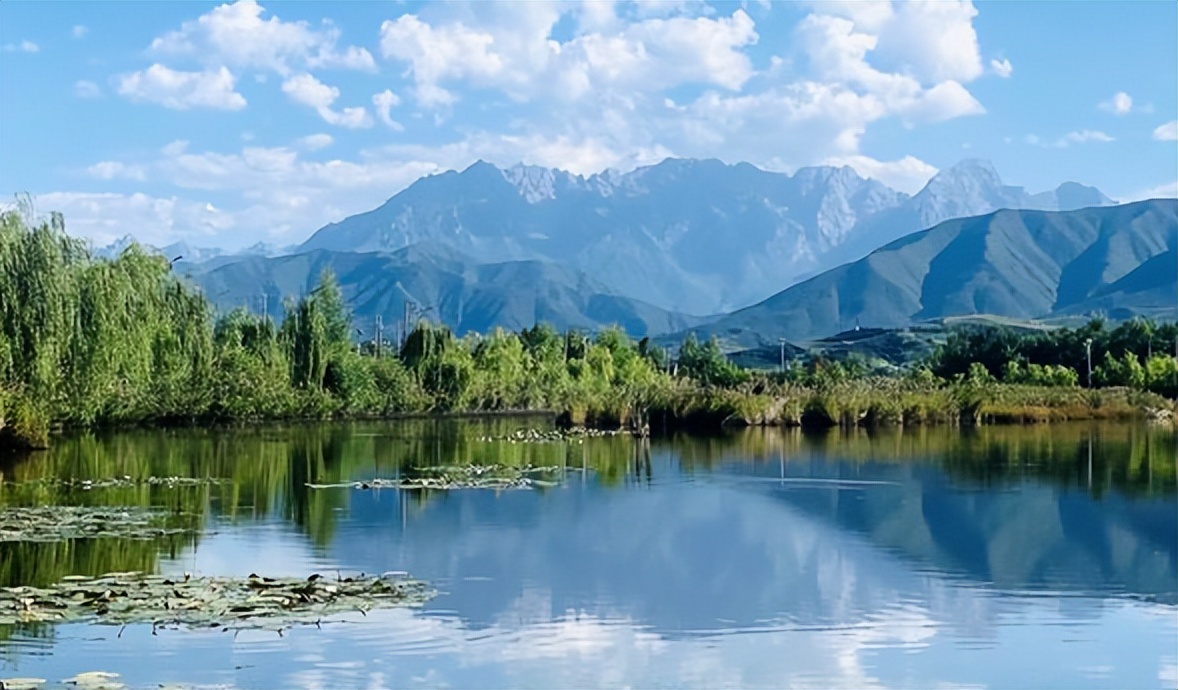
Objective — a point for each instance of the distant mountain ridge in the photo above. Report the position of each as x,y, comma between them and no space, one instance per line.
1022,264
190,254
696,236
465,295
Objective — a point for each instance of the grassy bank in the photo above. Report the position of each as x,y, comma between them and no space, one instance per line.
890,402
88,342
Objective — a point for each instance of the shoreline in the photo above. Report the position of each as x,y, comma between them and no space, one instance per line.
854,405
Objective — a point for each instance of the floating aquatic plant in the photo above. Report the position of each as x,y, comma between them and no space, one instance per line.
452,477
206,602
576,433
59,523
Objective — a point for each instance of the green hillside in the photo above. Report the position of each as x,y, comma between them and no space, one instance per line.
462,294
1120,261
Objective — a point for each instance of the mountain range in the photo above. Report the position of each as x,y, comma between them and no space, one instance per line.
692,236
1121,261
822,249
185,253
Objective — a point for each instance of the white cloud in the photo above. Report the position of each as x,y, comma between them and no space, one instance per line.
1167,132
257,187
602,93
931,41
314,142
1002,68
1082,137
1120,104
608,93
907,174
110,170
22,47
79,31
384,102
175,148
237,35
511,49
87,89
309,91
104,217
1162,191
182,90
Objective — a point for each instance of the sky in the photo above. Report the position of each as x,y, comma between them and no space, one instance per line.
229,124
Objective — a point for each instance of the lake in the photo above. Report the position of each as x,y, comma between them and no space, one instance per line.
1011,557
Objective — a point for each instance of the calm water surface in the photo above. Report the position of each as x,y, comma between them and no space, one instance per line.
1006,557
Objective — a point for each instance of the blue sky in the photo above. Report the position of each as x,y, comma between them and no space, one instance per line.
227,124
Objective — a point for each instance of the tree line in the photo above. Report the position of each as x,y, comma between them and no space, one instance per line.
87,341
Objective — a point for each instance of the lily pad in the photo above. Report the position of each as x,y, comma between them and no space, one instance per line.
123,482
21,683
448,478
207,602
96,680
576,433
60,523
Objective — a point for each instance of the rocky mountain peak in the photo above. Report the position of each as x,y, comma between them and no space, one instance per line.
534,183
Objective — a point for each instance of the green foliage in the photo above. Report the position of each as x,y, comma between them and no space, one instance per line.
1161,375
1039,374
87,341
707,364
1046,357
1125,370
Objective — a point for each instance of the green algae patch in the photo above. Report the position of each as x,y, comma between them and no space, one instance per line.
206,602
449,478
61,523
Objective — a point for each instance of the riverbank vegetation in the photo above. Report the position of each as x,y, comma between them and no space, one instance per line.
89,342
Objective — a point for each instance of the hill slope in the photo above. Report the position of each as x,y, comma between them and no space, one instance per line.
1017,264
465,296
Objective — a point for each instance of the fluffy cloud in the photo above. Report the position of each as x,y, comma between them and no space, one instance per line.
309,91
932,41
256,187
384,102
907,174
182,90
511,49
104,217
1002,68
603,90
87,89
22,47
579,87
1167,132
237,35
1120,104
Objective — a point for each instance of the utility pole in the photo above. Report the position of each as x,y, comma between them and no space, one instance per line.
1088,347
781,341
379,332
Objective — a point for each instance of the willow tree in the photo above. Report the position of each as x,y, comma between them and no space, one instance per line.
315,331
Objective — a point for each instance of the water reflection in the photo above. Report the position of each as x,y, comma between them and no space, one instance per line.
765,557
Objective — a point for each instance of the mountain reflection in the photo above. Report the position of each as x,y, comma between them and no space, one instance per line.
687,534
